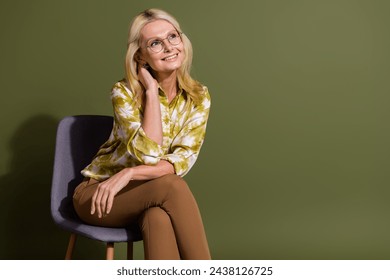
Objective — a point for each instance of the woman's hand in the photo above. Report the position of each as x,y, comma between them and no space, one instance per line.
147,80
103,198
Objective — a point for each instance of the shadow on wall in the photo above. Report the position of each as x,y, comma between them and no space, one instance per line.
27,229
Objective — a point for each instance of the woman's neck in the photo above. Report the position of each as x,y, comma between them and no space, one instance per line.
168,83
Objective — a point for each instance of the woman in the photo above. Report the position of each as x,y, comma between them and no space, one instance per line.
160,117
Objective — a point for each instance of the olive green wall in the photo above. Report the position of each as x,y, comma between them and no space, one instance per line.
296,160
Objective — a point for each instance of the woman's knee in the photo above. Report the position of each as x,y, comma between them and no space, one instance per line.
155,216
175,184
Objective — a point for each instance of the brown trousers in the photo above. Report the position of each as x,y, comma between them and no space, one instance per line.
165,209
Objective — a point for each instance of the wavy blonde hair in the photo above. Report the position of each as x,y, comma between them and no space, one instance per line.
192,87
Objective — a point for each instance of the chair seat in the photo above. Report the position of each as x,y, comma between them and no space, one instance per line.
105,234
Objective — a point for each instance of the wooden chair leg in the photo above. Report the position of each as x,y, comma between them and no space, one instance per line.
69,250
110,251
129,250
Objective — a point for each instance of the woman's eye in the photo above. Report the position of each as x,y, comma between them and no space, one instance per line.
172,36
155,43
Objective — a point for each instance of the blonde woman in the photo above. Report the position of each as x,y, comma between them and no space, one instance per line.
160,117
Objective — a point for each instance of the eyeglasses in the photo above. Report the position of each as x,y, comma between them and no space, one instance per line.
157,45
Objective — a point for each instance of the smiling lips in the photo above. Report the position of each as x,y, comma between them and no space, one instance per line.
171,57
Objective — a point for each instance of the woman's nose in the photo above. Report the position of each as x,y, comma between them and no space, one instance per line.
167,46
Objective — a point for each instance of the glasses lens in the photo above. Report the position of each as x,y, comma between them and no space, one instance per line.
174,38
156,46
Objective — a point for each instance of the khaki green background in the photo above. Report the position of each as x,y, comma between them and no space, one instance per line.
296,160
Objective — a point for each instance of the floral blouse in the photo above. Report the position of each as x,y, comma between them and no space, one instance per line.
183,128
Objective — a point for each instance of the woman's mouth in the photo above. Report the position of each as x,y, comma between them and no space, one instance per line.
171,57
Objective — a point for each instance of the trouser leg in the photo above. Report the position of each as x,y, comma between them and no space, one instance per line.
183,210
158,234
170,193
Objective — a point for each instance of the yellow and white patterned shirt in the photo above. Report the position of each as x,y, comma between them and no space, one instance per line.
128,145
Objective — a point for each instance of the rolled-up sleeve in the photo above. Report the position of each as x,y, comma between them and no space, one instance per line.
128,127
187,143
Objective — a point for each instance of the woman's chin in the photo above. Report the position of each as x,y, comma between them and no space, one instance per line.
168,66
167,70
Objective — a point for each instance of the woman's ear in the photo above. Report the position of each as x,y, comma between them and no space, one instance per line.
137,58
141,61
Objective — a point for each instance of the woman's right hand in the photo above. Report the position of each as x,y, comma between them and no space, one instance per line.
103,198
147,80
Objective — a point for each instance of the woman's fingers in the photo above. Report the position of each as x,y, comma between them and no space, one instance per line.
103,203
147,79
110,201
99,199
98,202
93,202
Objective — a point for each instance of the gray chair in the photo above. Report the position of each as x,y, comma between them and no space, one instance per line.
78,139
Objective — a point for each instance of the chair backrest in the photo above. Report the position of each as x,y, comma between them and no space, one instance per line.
78,140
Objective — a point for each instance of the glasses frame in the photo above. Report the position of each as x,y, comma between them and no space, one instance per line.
162,40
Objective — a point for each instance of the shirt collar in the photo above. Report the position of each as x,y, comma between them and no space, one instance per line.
179,92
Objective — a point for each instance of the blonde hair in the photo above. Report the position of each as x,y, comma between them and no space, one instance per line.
192,87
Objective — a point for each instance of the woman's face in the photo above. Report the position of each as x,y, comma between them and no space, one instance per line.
161,47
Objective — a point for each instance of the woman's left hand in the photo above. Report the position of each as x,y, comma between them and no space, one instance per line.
103,198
